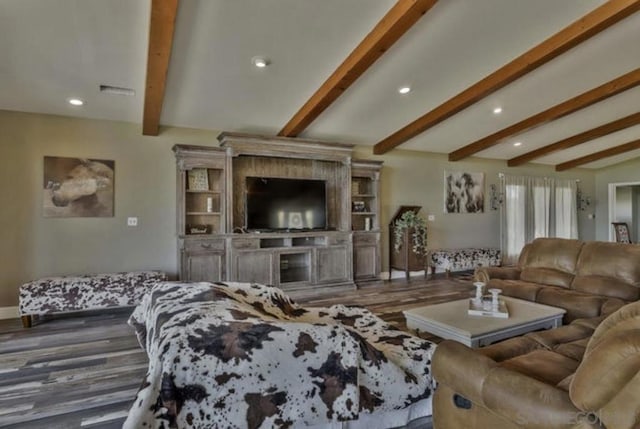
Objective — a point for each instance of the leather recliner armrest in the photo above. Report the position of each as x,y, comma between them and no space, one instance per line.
484,274
531,403
461,369
523,400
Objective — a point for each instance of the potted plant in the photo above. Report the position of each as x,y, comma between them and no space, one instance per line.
410,220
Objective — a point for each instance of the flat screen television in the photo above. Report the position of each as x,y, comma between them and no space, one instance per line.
274,204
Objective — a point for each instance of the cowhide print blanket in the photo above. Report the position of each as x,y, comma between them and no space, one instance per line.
243,355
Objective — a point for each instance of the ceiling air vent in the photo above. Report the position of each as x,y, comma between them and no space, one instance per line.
117,90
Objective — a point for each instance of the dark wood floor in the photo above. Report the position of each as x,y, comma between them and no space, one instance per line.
83,370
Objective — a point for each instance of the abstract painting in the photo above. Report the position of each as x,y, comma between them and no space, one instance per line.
463,192
78,187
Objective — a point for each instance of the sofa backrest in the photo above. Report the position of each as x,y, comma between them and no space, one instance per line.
607,382
550,261
522,259
609,269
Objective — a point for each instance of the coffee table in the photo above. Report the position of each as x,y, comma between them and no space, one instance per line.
451,321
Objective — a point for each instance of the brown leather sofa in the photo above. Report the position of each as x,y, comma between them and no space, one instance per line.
587,279
582,375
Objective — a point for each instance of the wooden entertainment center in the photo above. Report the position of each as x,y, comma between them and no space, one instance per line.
213,241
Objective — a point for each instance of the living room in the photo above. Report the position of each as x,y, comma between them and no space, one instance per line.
212,86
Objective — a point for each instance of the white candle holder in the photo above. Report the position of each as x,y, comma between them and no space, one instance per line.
495,303
479,290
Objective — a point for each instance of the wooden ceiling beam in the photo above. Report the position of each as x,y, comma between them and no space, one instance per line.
588,26
391,27
594,133
161,27
616,150
586,99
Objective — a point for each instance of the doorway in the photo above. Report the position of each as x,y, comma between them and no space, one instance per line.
624,206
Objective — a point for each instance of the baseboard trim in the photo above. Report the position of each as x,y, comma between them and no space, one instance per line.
8,312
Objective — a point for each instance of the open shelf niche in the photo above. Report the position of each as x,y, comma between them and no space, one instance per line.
201,190
365,218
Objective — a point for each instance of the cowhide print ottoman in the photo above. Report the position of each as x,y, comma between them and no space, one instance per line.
85,292
240,355
448,260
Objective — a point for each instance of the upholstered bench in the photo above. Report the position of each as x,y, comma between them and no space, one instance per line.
448,260
86,292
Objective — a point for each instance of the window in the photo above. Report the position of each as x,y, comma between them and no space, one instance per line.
536,207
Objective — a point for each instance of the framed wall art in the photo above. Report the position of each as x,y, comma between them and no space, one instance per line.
198,179
463,192
78,187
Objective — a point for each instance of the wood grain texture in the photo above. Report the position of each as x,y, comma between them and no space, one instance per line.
161,26
84,369
586,99
586,27
391,27
594,133
616,150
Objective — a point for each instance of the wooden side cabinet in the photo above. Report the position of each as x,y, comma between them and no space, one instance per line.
253,266
202,260
365,218
201,212
366,252
405,258
333,264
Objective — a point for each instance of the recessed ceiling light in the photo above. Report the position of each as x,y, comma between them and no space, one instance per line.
497,110
75,102
404,89
260,62
517,144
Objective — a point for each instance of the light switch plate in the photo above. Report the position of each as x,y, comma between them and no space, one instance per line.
431,218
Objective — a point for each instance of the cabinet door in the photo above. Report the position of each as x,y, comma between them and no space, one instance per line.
202,266
333,264
253,267
365,263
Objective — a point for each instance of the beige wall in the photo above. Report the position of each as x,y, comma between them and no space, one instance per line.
417,178
627,172
32,246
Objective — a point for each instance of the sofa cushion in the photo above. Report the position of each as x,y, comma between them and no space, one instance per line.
606,286
606,369
552,338
543,365
516,288
610,370
510,348
574,350
578,305
546,276
627,318
565,383
609,269
553,253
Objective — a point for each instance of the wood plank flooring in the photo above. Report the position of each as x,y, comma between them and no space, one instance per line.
83,370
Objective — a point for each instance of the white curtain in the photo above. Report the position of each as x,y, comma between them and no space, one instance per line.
536,207
566,209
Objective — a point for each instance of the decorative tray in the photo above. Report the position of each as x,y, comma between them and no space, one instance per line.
478,310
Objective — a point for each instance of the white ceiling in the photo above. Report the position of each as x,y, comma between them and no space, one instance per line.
51,50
